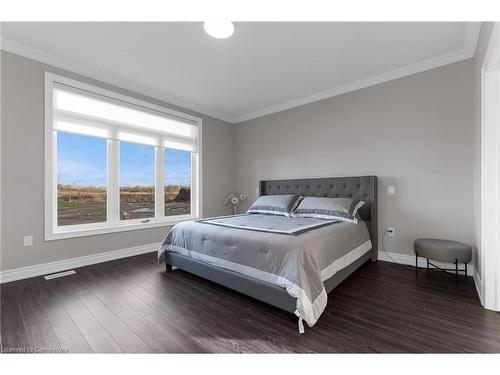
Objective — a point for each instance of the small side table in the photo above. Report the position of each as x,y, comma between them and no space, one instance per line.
443,250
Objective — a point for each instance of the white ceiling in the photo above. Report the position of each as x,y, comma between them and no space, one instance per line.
263,68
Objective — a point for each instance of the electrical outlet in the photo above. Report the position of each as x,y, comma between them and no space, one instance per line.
28,240
391,190
391,232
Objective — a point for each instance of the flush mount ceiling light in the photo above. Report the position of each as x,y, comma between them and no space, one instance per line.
219,29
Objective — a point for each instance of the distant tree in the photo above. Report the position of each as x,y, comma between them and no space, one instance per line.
184,195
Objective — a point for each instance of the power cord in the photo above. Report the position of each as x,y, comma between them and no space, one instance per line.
391,258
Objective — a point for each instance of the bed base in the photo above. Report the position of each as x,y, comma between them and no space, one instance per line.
260,290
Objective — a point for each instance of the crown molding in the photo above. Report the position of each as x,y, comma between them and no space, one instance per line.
107,78
470,44
472,38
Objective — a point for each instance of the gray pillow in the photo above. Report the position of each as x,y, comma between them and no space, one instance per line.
275,204
343,209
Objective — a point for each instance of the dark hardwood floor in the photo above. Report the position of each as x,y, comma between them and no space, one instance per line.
131,305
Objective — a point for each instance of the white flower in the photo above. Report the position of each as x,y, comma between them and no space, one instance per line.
243,197
234,200
229,196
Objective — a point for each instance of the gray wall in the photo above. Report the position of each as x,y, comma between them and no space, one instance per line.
415,132
420,133
22,140
484,38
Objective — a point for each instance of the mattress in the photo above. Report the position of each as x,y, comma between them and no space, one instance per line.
298,261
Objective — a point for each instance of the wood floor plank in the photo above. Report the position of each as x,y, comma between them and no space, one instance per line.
12,329
119,331
41,336
94,333
107,290
67,333
102,342
132,305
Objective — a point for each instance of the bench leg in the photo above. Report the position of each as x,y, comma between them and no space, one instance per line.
416,263
168,267
465,270
456,269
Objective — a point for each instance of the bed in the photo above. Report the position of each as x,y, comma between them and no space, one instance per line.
289,263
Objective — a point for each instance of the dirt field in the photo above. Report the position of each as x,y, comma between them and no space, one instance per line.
83,205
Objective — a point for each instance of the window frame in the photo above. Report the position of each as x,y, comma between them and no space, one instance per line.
113,223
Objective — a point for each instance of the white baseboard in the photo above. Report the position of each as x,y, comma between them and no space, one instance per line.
66,264
479,288
410,261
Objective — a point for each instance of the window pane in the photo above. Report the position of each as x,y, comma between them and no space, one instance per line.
81,179
137,181
177,182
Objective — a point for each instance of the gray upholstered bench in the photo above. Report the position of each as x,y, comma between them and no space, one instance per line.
443,250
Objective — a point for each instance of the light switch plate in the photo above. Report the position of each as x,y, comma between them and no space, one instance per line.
28,240
391,190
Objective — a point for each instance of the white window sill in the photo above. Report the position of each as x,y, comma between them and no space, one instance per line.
103,228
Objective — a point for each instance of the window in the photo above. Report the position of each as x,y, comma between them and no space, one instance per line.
177,182
137,181
115,163
81,179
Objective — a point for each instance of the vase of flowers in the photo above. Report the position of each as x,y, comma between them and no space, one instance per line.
235,200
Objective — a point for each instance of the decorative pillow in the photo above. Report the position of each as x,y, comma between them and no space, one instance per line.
275,204
343,209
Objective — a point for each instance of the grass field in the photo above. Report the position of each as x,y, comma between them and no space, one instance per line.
87,204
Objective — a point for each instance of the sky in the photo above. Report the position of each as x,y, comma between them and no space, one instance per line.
81,160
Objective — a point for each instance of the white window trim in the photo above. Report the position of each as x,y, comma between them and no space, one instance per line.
490,176
52,231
